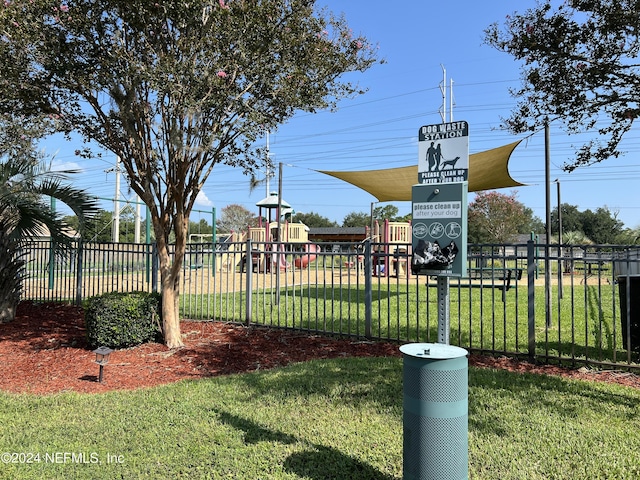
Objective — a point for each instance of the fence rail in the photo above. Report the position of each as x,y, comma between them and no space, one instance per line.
577,304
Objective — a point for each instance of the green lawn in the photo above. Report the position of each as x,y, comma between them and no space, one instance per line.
582,323
330,419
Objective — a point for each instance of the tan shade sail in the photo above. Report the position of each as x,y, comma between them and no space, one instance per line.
488,170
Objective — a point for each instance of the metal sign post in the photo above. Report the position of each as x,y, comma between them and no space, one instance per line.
444,328
439,208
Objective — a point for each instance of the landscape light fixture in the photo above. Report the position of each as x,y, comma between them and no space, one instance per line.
102,358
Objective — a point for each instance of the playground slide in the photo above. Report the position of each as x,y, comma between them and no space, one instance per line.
284,265
303,261
230,253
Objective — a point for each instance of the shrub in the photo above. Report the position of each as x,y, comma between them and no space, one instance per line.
119,320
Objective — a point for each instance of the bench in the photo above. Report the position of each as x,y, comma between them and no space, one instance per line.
494,273
591,267
500,278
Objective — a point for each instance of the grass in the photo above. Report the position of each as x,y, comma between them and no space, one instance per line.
583,324
329,419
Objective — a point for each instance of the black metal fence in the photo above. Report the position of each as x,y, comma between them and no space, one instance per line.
578,304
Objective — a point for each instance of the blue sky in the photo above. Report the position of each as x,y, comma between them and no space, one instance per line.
379,129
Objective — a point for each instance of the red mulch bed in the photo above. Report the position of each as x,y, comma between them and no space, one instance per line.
44,351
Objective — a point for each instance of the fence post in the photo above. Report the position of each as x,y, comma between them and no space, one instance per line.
531,288
248,264
368,288
52,265
79,276
154,268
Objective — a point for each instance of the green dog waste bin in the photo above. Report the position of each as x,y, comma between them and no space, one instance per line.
435,412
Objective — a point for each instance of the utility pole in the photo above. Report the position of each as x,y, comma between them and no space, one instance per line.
269,171
443,89
115,232
136,231
451,100
268,168
116,205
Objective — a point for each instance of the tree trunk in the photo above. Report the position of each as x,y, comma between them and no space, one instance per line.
7,310
171,316
11,275
170,289
171,270
9,296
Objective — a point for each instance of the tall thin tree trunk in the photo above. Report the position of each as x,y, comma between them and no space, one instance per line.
171,316
170,289
11,264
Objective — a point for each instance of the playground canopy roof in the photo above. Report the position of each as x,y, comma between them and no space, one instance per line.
272,202
487,170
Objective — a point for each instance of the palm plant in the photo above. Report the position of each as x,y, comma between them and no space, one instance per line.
25,182
574,237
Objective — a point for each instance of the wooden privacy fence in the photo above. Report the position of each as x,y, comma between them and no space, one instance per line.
577,304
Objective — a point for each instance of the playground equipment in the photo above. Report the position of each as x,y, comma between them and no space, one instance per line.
297,233
230,251
394,250
294,237
309,256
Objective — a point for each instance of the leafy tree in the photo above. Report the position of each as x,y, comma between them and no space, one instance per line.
313,220
405,218
530,222
357,219
99,228
200,227
363,219
174,88
629,236
388,212
25,188
571,219
235,218
580,68
18,134
497,218
601,226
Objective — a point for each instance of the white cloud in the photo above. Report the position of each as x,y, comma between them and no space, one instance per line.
59,166
203,200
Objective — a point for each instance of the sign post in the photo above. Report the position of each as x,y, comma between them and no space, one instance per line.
439,208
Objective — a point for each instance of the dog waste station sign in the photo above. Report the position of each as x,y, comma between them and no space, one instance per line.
439,227
439,208
443,153
439,201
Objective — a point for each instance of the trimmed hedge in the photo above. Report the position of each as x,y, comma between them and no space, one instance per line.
120,320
